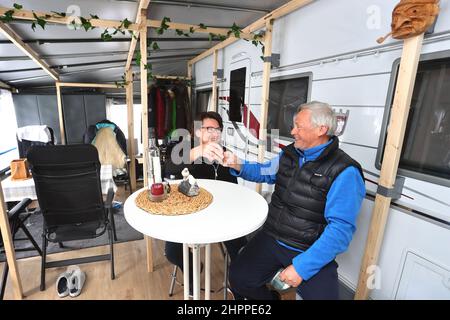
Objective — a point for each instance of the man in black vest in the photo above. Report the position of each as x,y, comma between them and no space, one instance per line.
312,215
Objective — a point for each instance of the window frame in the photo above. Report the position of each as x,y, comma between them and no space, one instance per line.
195,99
308,75
246,79
386,116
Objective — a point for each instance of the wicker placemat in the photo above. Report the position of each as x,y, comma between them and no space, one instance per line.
176,203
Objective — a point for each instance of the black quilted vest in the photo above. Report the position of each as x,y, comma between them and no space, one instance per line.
296,212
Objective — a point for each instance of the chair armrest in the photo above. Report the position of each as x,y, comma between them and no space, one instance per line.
18,208
4,172
109,198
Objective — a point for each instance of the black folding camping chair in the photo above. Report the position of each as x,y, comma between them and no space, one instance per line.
67,181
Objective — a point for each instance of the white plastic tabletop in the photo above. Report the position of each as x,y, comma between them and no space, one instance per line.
20,189
235,211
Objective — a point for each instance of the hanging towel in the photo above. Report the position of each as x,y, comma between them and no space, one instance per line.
34,133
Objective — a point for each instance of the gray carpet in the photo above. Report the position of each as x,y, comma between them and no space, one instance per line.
34,224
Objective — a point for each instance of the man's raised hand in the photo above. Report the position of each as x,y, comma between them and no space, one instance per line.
232,161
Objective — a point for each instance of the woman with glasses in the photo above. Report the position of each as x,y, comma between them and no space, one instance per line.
203,162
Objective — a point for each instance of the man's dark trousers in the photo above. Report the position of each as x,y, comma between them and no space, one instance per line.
260,260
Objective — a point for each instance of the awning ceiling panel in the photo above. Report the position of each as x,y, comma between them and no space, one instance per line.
81,56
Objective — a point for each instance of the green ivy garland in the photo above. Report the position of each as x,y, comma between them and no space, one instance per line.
124,24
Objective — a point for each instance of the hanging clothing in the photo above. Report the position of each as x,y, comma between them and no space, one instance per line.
160,114
168,110
183,119
151,112
174,116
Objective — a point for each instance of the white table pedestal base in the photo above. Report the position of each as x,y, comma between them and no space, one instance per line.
196,248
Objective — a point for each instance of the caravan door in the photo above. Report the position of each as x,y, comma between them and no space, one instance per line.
234,107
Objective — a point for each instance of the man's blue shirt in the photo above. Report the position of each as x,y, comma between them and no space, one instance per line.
342,206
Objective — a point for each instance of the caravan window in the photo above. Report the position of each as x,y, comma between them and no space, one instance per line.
203,101
237,94
426,148
8,142
285,96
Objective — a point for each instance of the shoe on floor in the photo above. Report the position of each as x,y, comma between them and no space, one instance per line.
62,283
76,281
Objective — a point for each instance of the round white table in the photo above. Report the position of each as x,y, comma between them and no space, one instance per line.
234,212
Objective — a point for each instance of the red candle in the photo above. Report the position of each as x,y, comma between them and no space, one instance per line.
157,189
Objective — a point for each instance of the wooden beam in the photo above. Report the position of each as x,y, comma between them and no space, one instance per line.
144,103
130,119
265,95
187,27
104,23
87,85
143,4
9,248
392,152
53,18
162,77
131,51
277,13
214,82
156,76
14,38
60,113
6,86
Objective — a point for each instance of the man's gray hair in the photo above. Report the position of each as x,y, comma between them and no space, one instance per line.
321,115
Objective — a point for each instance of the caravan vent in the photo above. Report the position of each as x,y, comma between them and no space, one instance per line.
239,55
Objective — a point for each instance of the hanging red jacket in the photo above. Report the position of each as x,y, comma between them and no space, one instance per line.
160,114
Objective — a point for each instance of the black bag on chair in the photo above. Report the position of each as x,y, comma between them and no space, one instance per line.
26,142
68,187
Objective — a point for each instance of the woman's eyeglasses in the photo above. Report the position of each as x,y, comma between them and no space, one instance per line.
212,129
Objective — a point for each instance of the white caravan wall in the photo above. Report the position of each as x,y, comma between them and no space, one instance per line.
353,73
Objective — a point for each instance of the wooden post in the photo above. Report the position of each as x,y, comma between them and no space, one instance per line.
265,95
394,142
214,82
60,113
130,118
9,248
144,103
